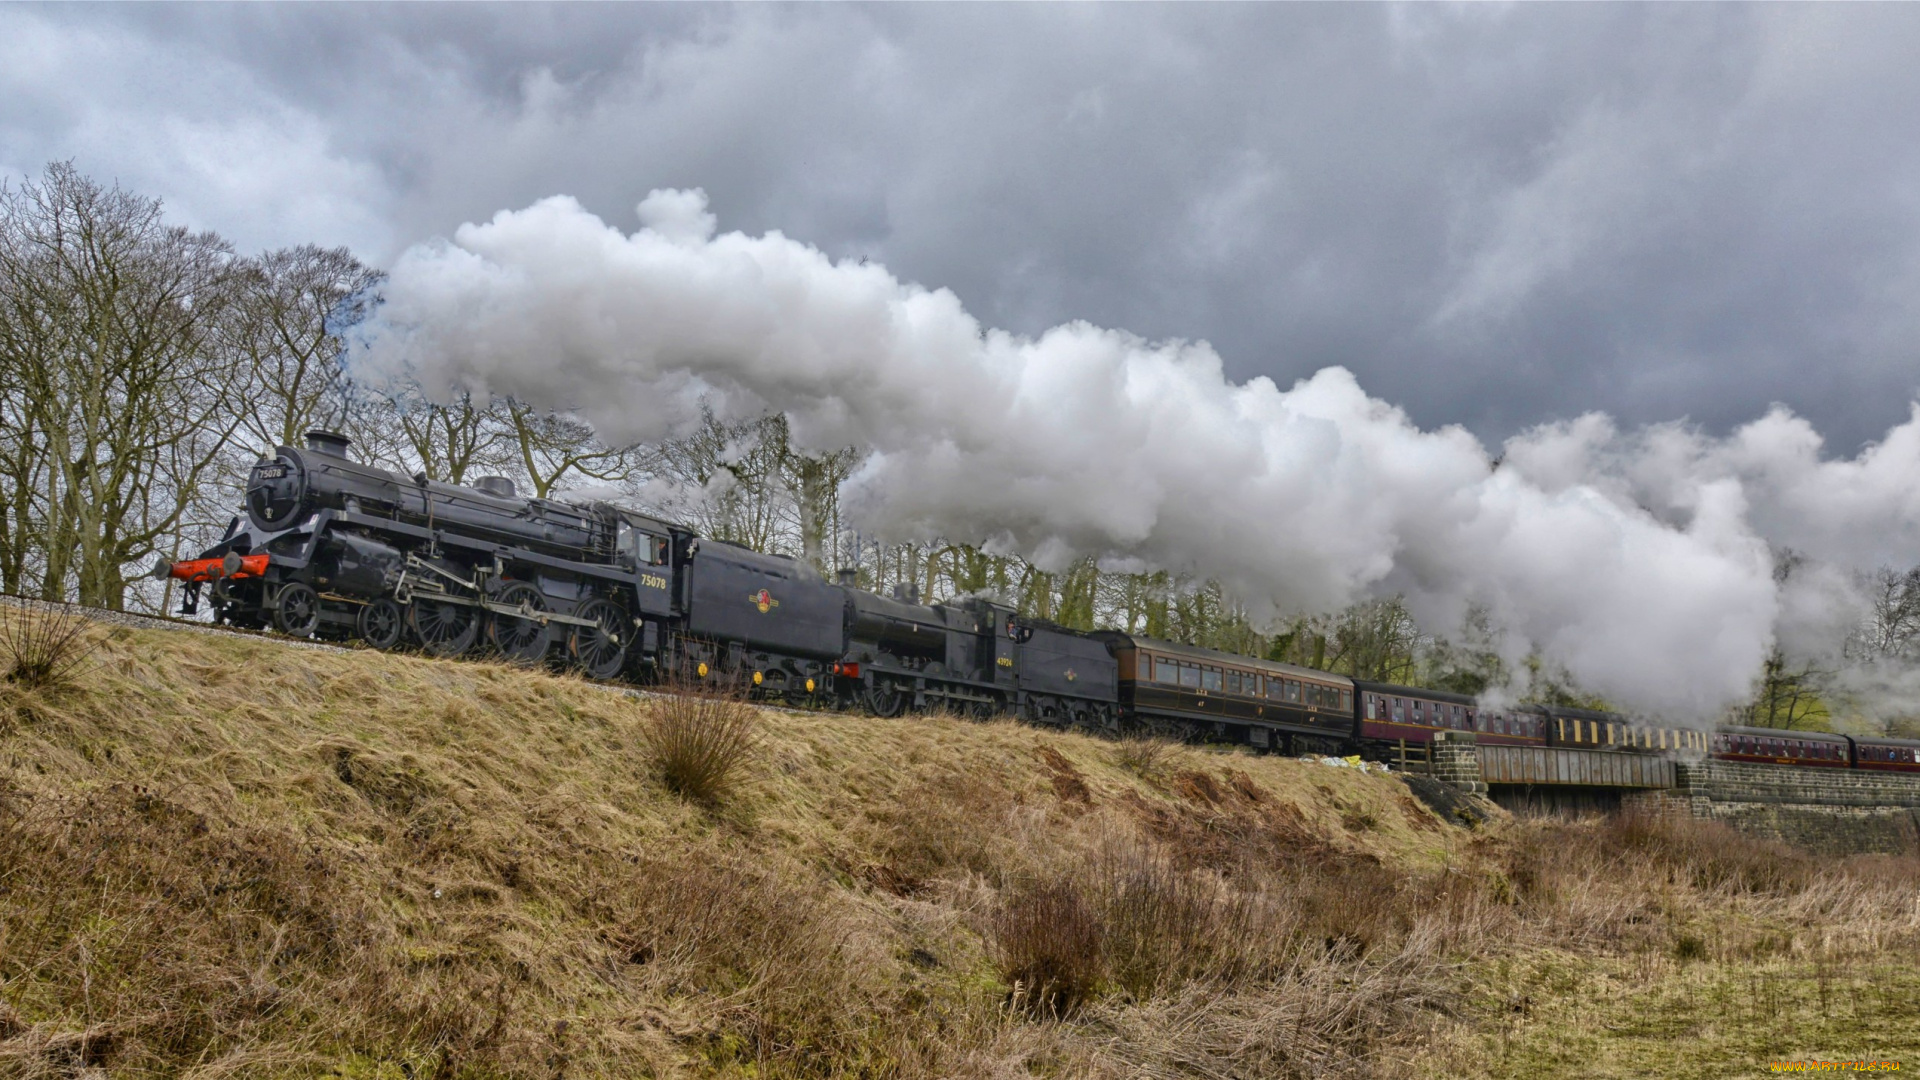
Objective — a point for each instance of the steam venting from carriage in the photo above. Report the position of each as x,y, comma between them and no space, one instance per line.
1644,561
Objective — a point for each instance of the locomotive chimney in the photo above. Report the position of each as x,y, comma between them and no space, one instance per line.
848,576
328,442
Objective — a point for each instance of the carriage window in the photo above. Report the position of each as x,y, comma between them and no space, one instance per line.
1370,709
1254,689
1233,682
1346,701
1293,691
1166,671
1210,679
1398,704
1190,676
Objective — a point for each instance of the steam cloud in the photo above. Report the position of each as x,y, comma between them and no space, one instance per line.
1641,561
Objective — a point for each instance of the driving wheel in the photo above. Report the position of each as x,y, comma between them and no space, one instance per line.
599,651
520,638
443,628
885,699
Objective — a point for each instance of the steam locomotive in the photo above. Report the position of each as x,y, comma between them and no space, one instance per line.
334,548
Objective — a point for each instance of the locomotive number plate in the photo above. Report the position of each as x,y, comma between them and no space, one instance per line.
270,472
653,581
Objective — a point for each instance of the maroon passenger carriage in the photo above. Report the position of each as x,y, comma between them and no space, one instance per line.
1780,746
1882,754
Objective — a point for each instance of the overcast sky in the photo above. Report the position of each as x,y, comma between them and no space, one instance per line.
1494,215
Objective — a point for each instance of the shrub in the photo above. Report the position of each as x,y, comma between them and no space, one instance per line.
43,646
1162,925
1142,755
701,741
1049,942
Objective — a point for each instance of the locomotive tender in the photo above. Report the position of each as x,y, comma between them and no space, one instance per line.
335,548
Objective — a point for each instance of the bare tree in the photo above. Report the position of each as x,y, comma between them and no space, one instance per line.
112,331
291,306
1892,627
734,472
552,445
447,441
813,483
1789,696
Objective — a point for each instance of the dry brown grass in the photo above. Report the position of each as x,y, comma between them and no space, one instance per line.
220,855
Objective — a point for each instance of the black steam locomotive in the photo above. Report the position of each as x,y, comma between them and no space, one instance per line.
332,548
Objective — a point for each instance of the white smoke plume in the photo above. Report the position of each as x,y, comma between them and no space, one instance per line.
1640,562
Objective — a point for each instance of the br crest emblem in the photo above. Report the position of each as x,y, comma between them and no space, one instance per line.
763,600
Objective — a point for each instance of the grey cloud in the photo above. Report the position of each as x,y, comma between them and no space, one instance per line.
1493,216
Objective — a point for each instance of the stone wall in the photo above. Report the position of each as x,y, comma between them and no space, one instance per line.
1839,811
1456,761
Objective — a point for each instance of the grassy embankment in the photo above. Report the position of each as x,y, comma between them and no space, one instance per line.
224,856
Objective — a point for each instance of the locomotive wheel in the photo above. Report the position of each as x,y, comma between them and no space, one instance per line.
443,629
296,611
519,639
885,699
381,624
600,650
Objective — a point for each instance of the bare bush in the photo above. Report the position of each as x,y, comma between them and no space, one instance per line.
1048,937
1144,756
701,741
1161,925
43,646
